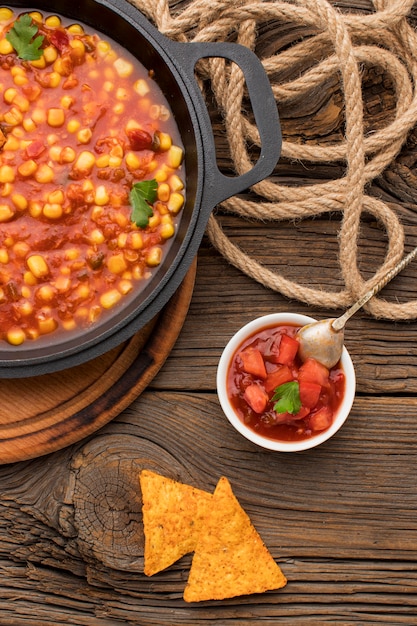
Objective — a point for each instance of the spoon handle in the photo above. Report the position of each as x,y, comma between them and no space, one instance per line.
339,323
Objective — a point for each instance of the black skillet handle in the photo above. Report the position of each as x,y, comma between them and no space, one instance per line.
217,185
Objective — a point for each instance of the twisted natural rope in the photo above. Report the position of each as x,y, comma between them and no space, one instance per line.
383,38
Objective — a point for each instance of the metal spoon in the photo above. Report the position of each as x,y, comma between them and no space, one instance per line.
323,340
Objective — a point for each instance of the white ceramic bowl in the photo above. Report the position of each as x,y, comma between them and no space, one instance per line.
273,444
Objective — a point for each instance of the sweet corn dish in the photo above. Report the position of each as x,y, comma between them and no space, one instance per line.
91,175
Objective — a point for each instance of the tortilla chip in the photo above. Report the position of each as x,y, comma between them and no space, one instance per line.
172,515
230,558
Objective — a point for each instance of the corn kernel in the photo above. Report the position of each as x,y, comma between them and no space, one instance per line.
123,68
6,213
36,16
4,256
84,135
40,63
12,143
55,153
154,221
132,161
62,283
51,54
5,46
68,155
165,141
154,256
136,241
7,189
19,201
83,292
110,298
67,102
101,196
56,197
25,308
125,286
69,324
15,336
121,93
47,325
28,124
116,264
77,49
72,253
103,48
35,208
7,174
108,86
175,183
21,102
54,79
122,240
45,293
5,14
37,265
164,192
141,87
52,211
161,175
44,174
21,249
39,115
56,117
20,79
175,202
175,155
52,21
119,108
167,231
85,161
97,236
13,117
29,278
27,168
103,160
73,126
75,29
115,161
9,95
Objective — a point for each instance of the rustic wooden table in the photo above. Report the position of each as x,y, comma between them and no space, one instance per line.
341,520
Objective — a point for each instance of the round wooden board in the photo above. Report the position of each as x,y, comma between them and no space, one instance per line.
43,414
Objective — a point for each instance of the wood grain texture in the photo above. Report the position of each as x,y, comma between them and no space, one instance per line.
341,520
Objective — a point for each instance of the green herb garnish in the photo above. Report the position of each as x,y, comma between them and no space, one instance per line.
142,196
287,398
21,37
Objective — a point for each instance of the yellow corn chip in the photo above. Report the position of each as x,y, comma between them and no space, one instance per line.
230,558
172,514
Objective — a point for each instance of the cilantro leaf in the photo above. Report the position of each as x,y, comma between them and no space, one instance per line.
21,37
142,196
287,398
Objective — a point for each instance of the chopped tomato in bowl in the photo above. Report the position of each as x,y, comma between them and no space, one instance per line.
273,398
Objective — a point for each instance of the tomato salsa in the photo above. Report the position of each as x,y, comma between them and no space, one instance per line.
91,175
278,396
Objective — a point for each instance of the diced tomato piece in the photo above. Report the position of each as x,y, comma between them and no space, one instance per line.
253,362
256,397
321,419
309,393
35,149
288,418
313,372
288,349
278,377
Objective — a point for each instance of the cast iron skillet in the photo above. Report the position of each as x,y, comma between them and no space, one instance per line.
173,64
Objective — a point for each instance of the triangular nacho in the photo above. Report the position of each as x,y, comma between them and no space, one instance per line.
172,515
230,558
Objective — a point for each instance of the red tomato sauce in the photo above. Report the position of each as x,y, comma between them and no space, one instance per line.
80,127
262,363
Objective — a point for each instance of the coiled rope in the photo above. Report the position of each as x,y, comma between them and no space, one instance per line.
341,42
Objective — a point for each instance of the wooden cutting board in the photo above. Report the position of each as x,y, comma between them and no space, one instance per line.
42,414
